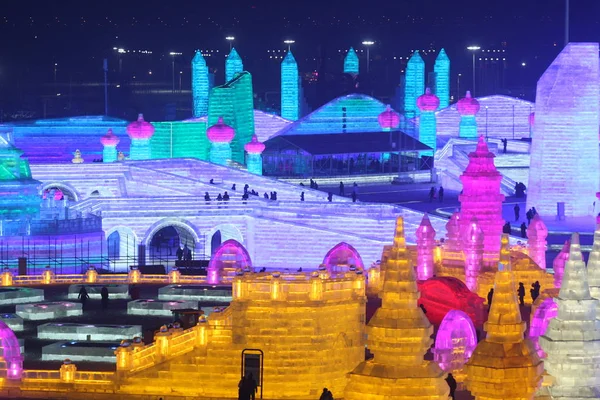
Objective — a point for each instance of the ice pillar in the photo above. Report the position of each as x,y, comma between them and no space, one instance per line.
200,85
572,339
537,232
473,250
109,143
442,78
414,84
290,95
468,107
425,249
233,65
428,104
565,164
254,151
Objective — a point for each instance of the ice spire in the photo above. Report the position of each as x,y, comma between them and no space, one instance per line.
558,265
425,248
200,85
537,232
290,88
351,64
233,65
473,250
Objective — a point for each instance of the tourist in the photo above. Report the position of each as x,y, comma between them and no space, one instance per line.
517,211
330,197
302,184
507,228
245,197
341,188
83,296
242,392
233,187
134,292
274,195
431,194
533,212
353,196
529,216
521,293
219,197
490,297
302,196
206,197
250,386
179,253
316,185
266,196
504,144
441,194
535,291
312,183
326,395
104,296
524,230
452,385
212,181
422,307
187,254
246,187
226,196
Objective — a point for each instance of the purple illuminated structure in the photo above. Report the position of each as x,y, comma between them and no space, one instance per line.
140,133
389,119
109,142
455,341
425,249
453,241
537,232
482,199
229,257
468,107
473,250
11,353
341,257
558,265
531,120
540,319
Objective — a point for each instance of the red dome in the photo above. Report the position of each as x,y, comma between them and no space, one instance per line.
109,139
220,132
531,118
254,146
428,101
140,129
468,105
389,119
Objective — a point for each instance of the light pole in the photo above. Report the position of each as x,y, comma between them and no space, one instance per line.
289,42
230,39
458,87
180,75
567,12
173,54
473,49
368,44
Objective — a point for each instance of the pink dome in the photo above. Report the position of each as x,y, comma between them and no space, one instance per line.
531,118
254,146
220,132
109,139
428,101
389,119
140,129
468,105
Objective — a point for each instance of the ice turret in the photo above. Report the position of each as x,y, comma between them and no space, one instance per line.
425,249
537,232
473,250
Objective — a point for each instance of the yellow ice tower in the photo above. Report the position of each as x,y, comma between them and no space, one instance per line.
504,365
399,335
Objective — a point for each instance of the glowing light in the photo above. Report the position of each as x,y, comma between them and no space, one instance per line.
441,69
540,318
468,107
351,62
290,84
341,257
414,84
230,256
140,133
200,85
567,98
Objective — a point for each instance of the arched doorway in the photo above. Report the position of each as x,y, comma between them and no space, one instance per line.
121,248
341,257
218,235
11,353
229,257
95,193
540,318
165,239
215,242
68,192
455,341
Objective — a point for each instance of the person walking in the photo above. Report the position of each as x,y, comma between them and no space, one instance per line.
441,194
517,210
104,297
83,296
521,293
490,298
431,194
341,188
452,385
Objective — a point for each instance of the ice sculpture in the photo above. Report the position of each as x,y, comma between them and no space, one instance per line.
200,85
109,143
220,136
473,250
442,78
453,241
425,247
414,84
593,266
341,258
234,102
11,355
455,342
254,151
482,199
399,335
540,318
290,85
428,104
229,257
558,265
351,63
233,65
572,340
537,232
467,107
504,365
531,120
564,152
388,119
140,133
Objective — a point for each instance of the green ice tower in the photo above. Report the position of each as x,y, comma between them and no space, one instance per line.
289,88
233,65
415,84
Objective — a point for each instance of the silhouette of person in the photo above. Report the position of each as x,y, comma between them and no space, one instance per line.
324,394
441,194
423,308
251,386
233,187
504,144
266,196
341,188
452,385
535,291
354,197
219,197
330,197
83,296
212,181
521,293
490,298
134,292
179,253
187,254
242,392
517,211
104,297
206,196
226,196
302,196
431,194
524,230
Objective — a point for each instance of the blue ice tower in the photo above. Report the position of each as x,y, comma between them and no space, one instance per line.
290,86
200,85
442,78
428,105
351,63
254,151
233,65
109,143
414,84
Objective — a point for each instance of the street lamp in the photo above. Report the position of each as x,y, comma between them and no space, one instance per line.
368,44
289,42
458,86
473,49
230,39
567,12
173,54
